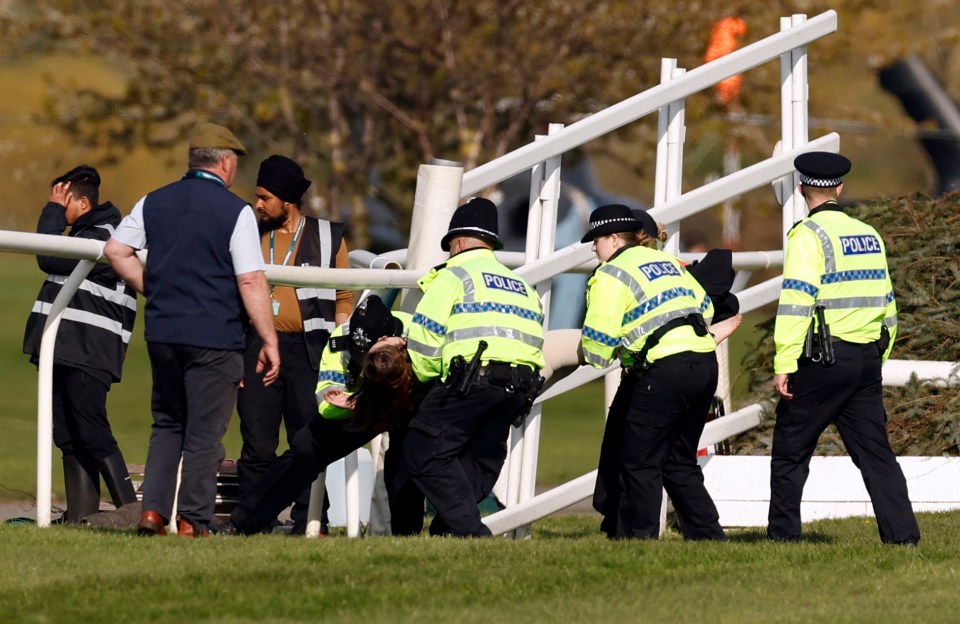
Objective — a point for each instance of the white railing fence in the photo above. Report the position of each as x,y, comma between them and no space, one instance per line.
539,262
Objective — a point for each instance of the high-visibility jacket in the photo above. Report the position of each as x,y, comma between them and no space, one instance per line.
334,371
473,297
317,306
840,263
634,293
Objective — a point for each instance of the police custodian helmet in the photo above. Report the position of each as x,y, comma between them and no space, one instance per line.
477,219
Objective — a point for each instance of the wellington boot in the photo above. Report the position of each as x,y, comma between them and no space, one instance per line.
82,482
117,478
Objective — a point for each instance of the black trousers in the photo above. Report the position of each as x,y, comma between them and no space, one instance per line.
650,444
290,399
80,425
315,446
455,448
194,392
850,395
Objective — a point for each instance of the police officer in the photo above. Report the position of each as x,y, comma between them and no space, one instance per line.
835,326
644,308
479,330
337,433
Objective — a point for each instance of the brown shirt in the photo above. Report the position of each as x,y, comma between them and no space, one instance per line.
288,317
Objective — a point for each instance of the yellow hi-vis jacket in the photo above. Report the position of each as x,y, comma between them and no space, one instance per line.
839,262
633,294
333,371
473,297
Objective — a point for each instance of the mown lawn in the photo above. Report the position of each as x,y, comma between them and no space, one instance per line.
565,573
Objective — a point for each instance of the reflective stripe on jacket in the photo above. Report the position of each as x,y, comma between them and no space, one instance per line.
474,297
333,371
839,262
633,294
318,306
99,319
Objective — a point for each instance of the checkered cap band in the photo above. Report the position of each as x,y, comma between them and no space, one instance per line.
824,183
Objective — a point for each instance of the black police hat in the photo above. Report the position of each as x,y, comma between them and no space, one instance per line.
370,322
478,219
616,218
822,169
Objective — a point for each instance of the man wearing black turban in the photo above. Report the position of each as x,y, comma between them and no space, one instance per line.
303,317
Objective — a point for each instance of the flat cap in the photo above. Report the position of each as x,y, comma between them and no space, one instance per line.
823,169
212,136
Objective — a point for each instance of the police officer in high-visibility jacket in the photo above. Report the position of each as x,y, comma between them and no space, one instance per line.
644,308
479,331
835,326
371,329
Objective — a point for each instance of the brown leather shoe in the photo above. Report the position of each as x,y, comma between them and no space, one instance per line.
151,523
186,529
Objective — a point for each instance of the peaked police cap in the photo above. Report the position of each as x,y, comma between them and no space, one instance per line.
822,169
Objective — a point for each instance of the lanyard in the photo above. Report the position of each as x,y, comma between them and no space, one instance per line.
199,173
293,243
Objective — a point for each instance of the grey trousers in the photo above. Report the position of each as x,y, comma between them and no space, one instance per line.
194,393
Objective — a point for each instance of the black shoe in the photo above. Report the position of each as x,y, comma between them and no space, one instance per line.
224,528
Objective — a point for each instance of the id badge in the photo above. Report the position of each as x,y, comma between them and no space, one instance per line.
276,307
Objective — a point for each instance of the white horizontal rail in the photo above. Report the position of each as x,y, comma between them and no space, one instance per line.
346,279
582,487
642,104
759,295
899,372
86,249
51,245
739,182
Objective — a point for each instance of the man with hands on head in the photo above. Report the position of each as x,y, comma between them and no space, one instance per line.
90,346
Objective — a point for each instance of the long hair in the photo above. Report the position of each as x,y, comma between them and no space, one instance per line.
385,397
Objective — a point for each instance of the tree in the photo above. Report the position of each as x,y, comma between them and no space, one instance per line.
354,88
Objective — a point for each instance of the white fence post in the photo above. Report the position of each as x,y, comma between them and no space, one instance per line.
45,389
549,203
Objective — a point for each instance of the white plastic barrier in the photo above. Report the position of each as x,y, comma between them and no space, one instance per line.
740,487
337,483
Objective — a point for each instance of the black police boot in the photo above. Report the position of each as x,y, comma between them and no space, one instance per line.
117,478
82,482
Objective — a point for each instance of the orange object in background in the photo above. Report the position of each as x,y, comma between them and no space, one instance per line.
724,39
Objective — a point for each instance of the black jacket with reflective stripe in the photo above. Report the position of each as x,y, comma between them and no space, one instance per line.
97,323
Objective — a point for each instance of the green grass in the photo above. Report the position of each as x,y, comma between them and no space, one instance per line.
566,573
